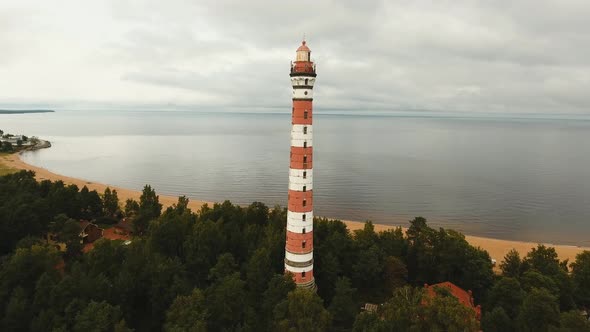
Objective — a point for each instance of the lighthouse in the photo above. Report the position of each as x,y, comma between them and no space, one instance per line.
299,247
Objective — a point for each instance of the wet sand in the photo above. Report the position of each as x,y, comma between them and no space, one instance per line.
496,247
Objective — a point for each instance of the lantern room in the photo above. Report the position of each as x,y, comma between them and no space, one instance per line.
303,53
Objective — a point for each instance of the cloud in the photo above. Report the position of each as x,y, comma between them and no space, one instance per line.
509,56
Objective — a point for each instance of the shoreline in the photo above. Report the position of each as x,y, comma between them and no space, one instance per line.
497,248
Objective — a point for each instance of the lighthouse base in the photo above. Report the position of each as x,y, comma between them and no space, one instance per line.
308,285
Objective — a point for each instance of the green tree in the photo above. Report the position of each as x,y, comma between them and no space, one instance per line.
24,268
367,271
446,313
17,314
566,287
98,316
149,209
259,271
90,204
334,254
181,207
543,259
459,262
506,294
393,242
187,313
511,265
106,258
410,309
539,311
68,231
43,288
169,232
6,146
534,279
581,278
570,321
226,266
402,311
131,208
226,300
497,321
202,246
29,241
326,271
302,311
149,203
257,213
421,259
110,203
369,322
278,288
395,273
167,279
343,307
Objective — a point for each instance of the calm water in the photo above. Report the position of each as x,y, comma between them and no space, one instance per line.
513,178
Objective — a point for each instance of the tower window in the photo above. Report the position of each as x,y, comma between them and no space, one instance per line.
303,230
306,81
304,202
304,130
305,115
305,144
303,274
305,177
303,244
305,93
303,217
304,159
304,188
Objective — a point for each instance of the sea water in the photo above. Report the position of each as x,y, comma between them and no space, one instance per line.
522,177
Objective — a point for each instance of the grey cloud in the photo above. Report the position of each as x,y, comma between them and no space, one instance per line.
512,56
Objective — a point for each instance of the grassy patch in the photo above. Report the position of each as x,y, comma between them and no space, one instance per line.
5,169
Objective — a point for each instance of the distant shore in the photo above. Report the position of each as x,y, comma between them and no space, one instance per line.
497,248
25,111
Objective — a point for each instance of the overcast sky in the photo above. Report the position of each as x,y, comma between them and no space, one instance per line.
492,56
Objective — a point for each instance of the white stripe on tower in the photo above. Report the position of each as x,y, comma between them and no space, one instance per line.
299,246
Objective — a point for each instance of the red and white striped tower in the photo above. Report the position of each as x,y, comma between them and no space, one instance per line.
299,248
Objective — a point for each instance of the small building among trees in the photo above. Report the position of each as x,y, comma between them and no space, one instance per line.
89,232
464,297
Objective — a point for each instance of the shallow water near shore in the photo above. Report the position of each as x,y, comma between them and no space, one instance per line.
510,177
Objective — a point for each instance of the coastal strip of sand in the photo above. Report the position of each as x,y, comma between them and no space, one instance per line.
14,161
496,248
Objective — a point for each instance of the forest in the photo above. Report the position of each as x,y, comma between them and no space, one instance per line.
221,269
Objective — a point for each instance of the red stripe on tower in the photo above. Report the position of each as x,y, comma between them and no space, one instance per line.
299,247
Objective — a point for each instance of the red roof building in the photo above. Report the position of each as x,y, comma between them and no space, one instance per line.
464,297
89,232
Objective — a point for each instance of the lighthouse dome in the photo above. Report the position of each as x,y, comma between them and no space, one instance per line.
303,47
303,52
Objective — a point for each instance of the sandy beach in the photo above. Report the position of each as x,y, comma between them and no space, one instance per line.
14,161
496,247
